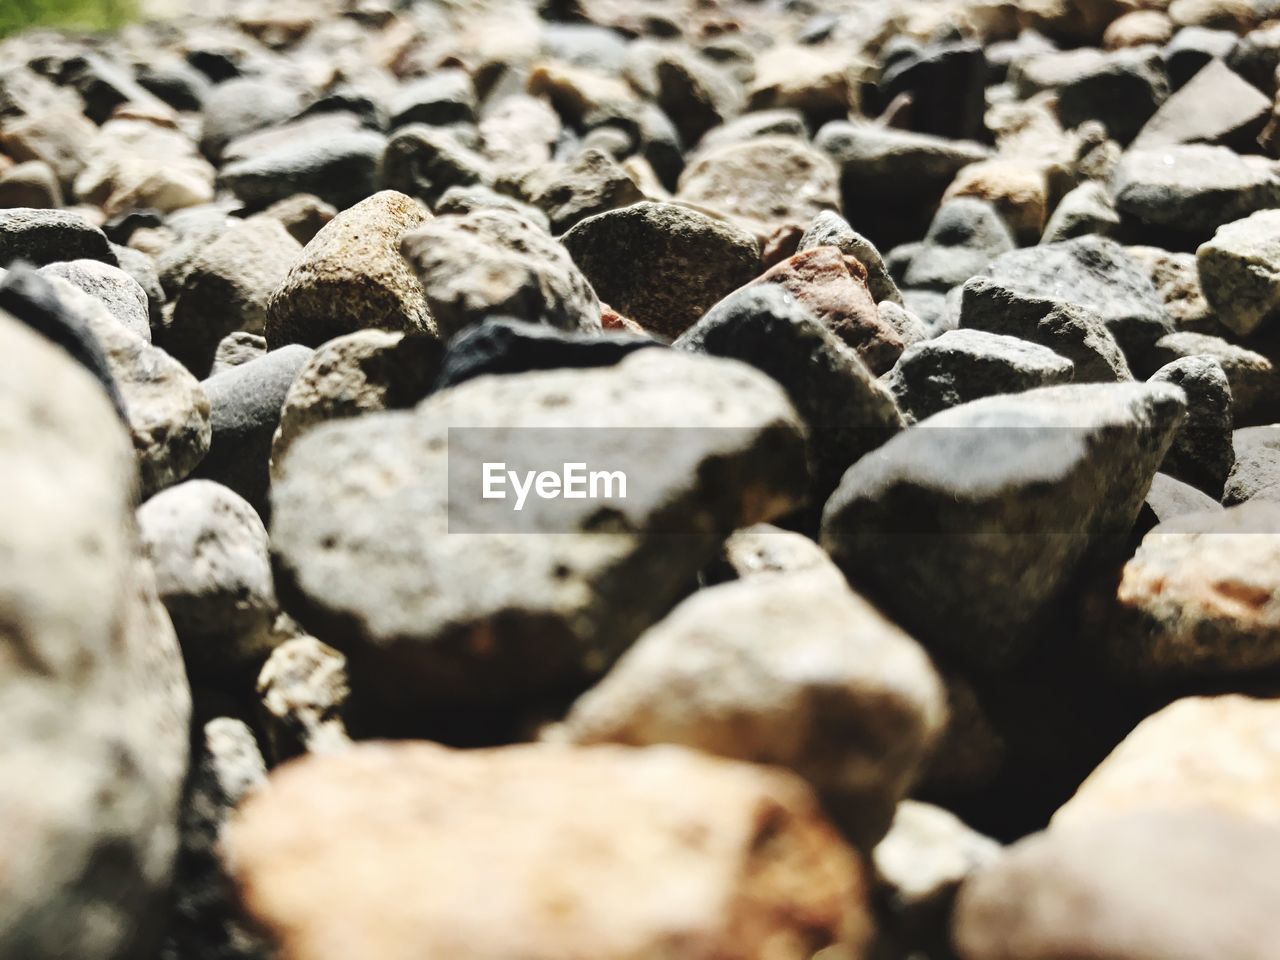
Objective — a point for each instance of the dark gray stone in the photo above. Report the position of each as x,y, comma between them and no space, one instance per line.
1201,453
438,99
41,237
424,162
244,405
967,527
1257,463
946,83
965,236
340,168
661,264
1095,273
964,365
847,410
1193,47
1255,391
505,346
1121,92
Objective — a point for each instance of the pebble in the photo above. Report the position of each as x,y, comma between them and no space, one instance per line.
1198,753
227,289
764,183
42,237
1201,453
1072,331
363,372
964,237
209,551
1183,193
1095,273
96,705
855,721
655,850
1196,599
963,365
1250,375
985,472
1154,883
495,263
661,264
304,688
245,404
833,287
591,183
123,296
848,412
829,229
338,166
351,277
1236,270
1257,463
537,628
1216,106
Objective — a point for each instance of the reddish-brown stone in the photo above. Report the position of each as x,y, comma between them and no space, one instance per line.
834,288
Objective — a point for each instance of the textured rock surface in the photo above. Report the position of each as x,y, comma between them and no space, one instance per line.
1128,888
964,365
1199,753
1197,599
647,851
209,551
720,674
1201,453
848,413
351,277
661,264
381,486
495,263
1015,490
1240,271
95,700
304,688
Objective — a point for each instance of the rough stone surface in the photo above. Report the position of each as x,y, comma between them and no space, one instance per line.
1198,753
964,237
763,183
123,296
245,405
360,373
964,365
352,277
1251,375
833,287
1197,599
829,229
718,675
1071,331
1201,453
96,705
494,263
235,349
1127,889
304,688
1191,190
1257,462
1177,279
41,237
1240,272
592,183
213,574
935,524
372,495
648,852
1095,273
848,413
661,264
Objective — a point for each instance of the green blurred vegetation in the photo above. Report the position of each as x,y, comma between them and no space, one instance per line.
16,15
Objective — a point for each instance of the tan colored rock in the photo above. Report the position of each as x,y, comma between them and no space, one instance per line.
1017,188
1137,28
577,91
1221,753
792,669
61,137
1201,597
363,372
1141,887
543,853
135,164
352,277
821,81
765,183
